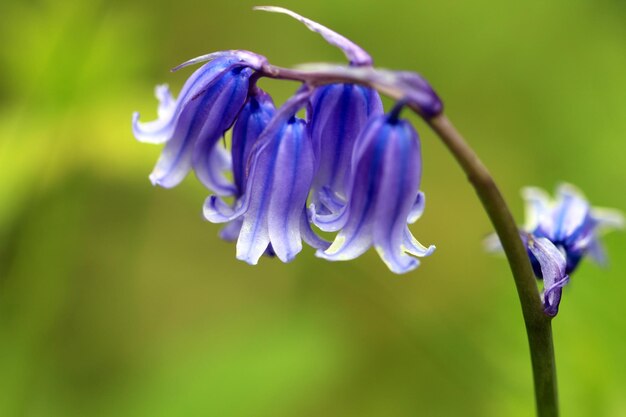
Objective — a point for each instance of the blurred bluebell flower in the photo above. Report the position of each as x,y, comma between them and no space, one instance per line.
558,234
273,206
570,223
192,125
337,114
383,197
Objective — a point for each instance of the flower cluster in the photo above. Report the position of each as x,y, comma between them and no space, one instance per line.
559,233
346,167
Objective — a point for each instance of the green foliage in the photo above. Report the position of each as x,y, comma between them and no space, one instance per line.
117,299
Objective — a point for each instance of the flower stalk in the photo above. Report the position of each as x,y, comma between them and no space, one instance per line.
397,86
538,324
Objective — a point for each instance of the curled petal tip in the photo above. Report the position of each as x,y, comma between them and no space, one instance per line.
431,249
154,180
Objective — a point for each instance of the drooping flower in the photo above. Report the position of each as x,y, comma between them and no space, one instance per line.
253,119
273,206
337,114
192,125
570,223
383,197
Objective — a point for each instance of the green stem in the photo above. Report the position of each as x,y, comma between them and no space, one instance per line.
538,325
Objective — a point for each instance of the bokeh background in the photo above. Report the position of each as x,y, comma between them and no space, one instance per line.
117,299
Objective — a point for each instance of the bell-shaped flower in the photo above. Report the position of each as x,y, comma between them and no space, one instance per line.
253,119
570,223
383,197
191,125
337,113
273,206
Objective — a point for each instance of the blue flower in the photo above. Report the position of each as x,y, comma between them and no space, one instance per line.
273,206
253,119
558,234
570,223
383,197
192,125
338,113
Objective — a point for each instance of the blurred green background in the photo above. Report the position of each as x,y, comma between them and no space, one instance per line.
117,299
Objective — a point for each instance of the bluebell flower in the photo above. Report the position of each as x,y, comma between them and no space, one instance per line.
273,206
383,197
337,114
253,119
192,125
570,223
558,234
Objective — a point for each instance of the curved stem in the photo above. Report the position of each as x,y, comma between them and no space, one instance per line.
423,101
538,325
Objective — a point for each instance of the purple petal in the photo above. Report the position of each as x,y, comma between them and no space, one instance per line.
357,234
254,237
571,212
290,188
255,232
230,232
227,99
400,181
333,213
164,128
309,236
348,244
330,222
553,265
253,119
253,240
202,121
353,52
414,247
216,210
384,196
418,208
331,200
596,250
338,114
